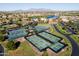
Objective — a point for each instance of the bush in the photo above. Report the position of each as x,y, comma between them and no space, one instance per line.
17,45
3,31
2,37
10,45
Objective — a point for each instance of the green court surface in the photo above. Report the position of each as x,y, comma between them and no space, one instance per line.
40,28
49,37
38,42
56,47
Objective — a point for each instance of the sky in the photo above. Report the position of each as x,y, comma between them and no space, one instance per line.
25,6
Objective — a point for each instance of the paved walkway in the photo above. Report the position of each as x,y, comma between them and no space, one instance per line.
75,47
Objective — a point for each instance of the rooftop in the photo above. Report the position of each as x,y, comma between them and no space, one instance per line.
16,34
53,17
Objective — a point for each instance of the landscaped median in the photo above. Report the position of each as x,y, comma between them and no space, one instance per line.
63,30
76,38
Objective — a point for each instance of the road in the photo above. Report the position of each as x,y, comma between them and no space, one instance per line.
75,47
1,50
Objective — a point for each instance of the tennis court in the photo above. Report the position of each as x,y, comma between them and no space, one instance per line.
50,37
38,42
57,46
40,28
42,44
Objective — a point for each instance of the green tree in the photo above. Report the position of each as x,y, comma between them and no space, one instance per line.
3,30
10,45
19,23
1,37
34,23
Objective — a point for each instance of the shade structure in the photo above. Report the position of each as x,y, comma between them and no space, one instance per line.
14,34
41,28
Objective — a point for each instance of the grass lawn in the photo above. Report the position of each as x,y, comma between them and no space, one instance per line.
24,50
65,31
75,37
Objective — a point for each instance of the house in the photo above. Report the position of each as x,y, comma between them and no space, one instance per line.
34,19
74,18
43,19
64,18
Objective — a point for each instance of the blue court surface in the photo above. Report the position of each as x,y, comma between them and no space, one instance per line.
57,47
38,42
50,37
